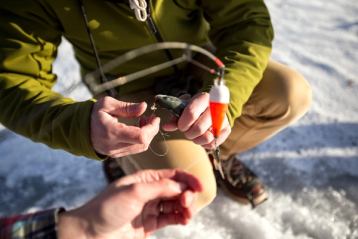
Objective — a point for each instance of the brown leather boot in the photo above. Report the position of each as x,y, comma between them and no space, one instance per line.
241,183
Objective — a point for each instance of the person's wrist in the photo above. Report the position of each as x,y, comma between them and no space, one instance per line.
71,224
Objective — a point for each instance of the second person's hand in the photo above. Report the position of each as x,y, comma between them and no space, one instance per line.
134,206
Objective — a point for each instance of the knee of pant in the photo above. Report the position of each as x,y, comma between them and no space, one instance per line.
207,195
296,95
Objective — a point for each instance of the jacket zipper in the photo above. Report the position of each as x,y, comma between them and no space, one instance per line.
154,30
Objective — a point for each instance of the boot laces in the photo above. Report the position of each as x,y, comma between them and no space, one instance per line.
238,175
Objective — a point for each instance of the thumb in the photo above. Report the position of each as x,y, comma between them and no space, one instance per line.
131,110
123,109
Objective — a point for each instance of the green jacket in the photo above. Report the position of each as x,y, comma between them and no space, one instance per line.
31,30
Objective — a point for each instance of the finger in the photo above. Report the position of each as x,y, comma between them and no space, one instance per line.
192,181
164,188
127,134
170,206
171,126
202,125
144,120
204,139
166,206
210,146
147,176
123,149
148,191
193,110
152,208
136,135
120,108
151,128
171,219
188,213
187,199
154,223
224,134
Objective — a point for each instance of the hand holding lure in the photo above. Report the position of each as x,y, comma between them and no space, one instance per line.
219,96
219,100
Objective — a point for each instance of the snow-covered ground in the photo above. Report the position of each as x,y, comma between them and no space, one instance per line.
311,169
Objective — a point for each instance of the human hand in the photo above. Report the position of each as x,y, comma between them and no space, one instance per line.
195,123
134,206
115,139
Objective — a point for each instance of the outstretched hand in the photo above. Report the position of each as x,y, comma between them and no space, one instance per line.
112,138
134,206
195,123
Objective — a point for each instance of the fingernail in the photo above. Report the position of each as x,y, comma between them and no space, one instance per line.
190,199
182,186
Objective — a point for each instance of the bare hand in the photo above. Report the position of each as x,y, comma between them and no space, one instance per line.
115,139
195,123
131,207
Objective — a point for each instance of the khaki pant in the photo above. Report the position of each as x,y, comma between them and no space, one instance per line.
282,97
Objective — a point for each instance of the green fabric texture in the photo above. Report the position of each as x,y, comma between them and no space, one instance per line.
30,32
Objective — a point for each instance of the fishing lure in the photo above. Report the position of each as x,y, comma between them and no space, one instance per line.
171,103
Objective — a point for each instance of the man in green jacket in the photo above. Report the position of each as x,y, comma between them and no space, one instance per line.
265,95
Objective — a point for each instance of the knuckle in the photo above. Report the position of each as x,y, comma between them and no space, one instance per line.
202,95
191,113
204,139
189,135
197,129
142,138
210,146
140,148
207,138
145,147
106,100
185,122
200,141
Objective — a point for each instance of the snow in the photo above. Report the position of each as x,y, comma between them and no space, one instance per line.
311,168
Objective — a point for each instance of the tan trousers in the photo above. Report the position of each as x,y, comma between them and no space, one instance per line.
282,97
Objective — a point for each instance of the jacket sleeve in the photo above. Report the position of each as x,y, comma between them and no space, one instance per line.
35,225
242,33
29,37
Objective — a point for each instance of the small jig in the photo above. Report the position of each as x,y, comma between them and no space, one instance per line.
174,104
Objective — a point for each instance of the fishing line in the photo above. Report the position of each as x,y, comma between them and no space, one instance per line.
154,108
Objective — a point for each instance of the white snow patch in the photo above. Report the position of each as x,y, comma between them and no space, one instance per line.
311,169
